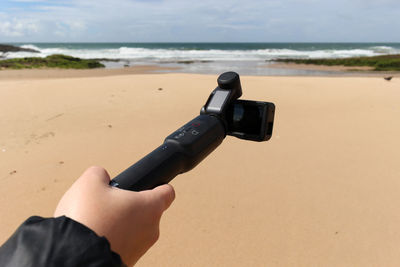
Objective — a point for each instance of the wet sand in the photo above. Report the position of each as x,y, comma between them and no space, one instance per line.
324,191
34,74
353,71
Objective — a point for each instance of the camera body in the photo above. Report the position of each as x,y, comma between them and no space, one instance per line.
244,119
223,114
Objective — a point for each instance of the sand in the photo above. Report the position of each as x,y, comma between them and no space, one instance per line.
324,191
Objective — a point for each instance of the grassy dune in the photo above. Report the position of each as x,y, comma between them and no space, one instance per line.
53,61
378,63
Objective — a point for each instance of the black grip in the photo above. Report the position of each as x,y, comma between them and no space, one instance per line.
180,152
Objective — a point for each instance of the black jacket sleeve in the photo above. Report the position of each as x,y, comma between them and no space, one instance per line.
58,242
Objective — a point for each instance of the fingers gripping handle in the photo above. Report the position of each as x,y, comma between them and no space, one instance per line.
180,152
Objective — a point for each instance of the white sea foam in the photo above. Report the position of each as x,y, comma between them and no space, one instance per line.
30,47
173,55
385,50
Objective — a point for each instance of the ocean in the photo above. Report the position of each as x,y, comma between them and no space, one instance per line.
210,58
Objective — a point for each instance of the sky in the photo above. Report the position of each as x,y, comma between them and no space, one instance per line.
199,21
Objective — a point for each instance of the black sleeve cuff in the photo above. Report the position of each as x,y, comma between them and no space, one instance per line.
57,242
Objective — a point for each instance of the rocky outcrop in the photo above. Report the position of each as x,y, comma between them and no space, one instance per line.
11,48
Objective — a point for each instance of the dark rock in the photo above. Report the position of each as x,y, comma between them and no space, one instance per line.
107,59
388,78
11,48
192,61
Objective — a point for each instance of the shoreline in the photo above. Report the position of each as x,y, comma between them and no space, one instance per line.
340,71
320,71
27,74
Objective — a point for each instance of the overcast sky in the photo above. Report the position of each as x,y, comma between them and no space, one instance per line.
200,21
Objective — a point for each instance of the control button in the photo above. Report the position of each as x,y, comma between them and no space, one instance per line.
179,135
194,132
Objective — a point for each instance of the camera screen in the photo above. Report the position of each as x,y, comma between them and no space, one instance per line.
252,120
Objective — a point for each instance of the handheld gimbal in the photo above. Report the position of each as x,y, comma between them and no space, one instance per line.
223,114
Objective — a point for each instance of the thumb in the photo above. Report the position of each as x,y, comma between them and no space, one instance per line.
163,195
95,176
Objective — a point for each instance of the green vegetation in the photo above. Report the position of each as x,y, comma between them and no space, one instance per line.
378,63
53,61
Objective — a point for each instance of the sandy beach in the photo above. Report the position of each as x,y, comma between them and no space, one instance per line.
324,191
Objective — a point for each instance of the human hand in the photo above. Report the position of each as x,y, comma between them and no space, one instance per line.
129,220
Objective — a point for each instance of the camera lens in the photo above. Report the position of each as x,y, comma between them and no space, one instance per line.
245,118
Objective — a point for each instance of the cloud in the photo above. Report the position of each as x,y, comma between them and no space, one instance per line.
206,20
18,28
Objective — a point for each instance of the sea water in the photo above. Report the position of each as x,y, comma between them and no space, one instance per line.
211,58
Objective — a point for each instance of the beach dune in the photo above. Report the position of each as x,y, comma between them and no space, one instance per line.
324,191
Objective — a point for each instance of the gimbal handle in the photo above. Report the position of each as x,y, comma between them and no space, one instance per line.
186,147
180,152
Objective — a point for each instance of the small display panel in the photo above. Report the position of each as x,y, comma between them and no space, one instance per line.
217,101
